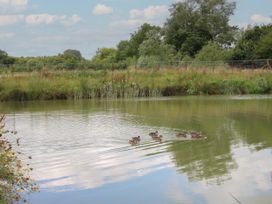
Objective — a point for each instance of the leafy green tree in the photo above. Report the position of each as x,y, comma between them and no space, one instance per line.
75,54
155,46
212,52
193,23
5,59
105,56
264,47
124,50
139,37
153,51
251,43
3,54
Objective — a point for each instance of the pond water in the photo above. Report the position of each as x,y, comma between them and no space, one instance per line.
81,153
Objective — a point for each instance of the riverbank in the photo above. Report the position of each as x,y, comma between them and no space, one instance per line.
133,83
14,175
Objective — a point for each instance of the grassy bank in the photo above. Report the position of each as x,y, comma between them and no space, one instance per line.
133,83
14,175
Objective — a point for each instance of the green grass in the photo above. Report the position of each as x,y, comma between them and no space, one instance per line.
131,83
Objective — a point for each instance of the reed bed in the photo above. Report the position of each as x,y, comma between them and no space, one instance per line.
133,83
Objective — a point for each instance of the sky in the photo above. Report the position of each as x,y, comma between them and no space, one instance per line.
48,27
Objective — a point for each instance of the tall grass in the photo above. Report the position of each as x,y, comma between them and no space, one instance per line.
133,83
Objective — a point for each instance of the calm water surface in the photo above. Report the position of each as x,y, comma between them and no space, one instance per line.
81,153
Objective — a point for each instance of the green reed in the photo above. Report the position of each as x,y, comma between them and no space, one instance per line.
133,83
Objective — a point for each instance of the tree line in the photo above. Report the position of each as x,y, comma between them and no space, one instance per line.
196,30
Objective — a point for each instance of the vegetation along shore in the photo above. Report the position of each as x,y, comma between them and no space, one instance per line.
15,180
133,83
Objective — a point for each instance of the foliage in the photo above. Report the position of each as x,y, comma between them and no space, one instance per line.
134,83
193,23
5,59
212,52
14,176
252,38
139,37
104,56
75,54
124,50
154,50
149,62
264,47
129,49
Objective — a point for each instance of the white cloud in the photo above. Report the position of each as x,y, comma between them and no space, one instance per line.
256,18
6,20
12,5
39,19
7,35
151,12
130,23
68,21
101,9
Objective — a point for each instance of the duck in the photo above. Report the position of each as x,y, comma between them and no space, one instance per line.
197,135
157,138
154,134
133,142
137,138
181,134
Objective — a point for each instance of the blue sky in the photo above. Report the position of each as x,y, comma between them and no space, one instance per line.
39,27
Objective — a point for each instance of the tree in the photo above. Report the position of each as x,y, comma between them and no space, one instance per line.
252,43
124,50
5,59
105,56
75,54
139,37
193,23
264,47
155,46
212,52
3,54
153,51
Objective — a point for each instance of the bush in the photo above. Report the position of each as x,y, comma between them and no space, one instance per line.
212,52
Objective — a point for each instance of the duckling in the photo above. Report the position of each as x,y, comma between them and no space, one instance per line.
137,138
133,142
181,134
198,135
157,138
154,134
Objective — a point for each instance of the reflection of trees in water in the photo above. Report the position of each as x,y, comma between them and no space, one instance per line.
206,160
255,129
212,160
226,122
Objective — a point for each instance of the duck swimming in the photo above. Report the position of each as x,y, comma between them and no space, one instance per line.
135,140
157,138
181,134
191,135
154,134
198,135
